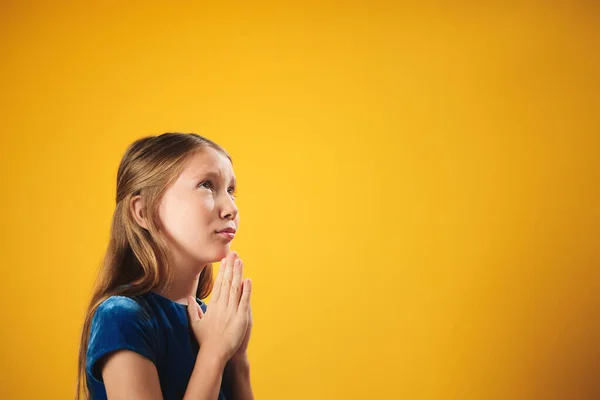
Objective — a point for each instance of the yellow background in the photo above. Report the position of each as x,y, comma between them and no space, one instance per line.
418,185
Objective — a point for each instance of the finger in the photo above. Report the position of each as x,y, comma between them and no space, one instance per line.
236,284
228,275
192,309
218,281
245,300
249,315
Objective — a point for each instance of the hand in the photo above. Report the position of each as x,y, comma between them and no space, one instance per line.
241,355
223,328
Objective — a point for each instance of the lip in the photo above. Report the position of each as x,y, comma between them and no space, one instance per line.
226,234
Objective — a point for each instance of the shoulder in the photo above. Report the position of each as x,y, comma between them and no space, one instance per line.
121,323
123,313
122,306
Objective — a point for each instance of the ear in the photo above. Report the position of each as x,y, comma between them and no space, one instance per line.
138,210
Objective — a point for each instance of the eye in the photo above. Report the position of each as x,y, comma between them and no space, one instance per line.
206,184
232,192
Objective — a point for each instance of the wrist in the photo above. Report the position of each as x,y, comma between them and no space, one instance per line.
237,378
238,366
211,357
239,361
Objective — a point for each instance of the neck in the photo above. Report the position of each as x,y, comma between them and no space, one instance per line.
185,282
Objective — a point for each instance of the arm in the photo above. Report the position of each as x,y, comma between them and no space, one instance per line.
237,378
237,369
205,381
129,375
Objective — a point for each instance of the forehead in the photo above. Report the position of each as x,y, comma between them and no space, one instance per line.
208,161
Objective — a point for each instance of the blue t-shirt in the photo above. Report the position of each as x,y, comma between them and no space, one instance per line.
151,325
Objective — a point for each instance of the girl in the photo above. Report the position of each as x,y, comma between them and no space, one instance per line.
147,333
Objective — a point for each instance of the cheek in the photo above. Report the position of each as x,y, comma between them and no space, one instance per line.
168,217
173,212
203,209
181,215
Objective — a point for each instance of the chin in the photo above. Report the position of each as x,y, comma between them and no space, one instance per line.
220,253
223,253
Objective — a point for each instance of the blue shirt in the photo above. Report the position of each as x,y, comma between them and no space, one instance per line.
151,325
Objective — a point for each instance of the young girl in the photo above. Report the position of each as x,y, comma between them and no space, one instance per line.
147,333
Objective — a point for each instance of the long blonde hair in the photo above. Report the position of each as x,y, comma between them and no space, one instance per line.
138,260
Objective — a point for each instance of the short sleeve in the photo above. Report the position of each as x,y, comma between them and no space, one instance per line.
202,304
119,323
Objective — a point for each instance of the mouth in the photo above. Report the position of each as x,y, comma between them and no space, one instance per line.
228,233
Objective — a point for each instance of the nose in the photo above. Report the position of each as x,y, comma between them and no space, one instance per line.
229,209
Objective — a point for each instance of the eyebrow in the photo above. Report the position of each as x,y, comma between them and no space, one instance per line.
213,174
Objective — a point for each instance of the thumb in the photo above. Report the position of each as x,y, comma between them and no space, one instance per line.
194,311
